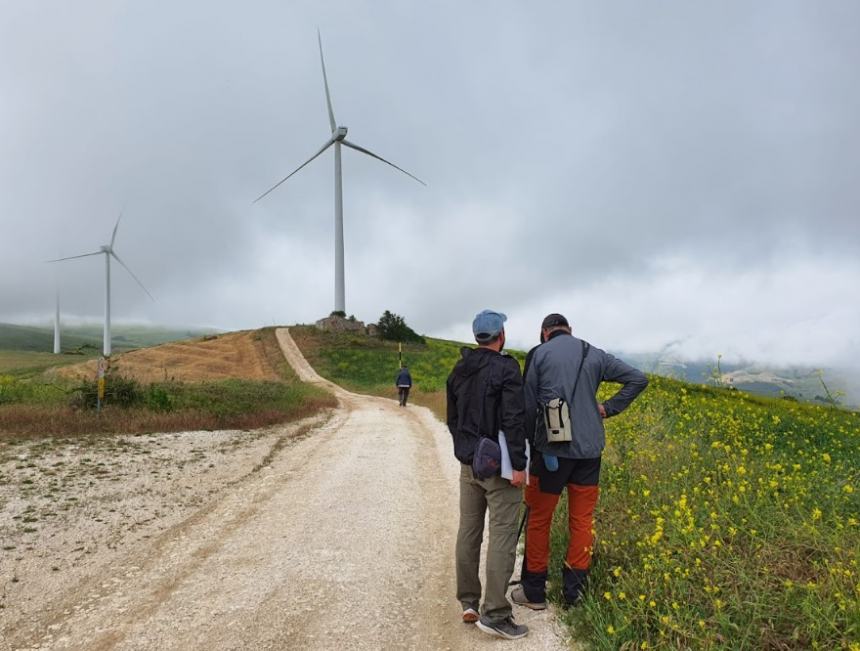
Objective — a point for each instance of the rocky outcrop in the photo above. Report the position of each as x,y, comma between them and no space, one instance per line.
335,323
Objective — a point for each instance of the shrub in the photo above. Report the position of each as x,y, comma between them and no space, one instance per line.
119,391
16,390
159,398
393,327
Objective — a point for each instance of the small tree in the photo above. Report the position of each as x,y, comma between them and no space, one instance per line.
393,327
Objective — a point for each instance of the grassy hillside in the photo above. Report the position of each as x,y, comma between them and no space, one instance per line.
726,521
370,365
125,337
44,403
28,363
26,351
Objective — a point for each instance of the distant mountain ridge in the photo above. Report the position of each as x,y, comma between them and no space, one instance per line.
802,383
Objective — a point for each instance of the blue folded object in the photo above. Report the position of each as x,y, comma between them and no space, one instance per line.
550,461
487,460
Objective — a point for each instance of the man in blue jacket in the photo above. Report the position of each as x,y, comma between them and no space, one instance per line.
403,383
562,378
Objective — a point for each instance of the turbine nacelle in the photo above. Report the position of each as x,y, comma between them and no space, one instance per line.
105,248
339,134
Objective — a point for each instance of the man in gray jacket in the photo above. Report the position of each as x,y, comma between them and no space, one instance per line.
565,423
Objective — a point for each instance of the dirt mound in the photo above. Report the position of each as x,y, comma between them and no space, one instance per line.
245,355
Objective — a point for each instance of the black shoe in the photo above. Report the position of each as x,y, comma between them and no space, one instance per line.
573,585
534,585
505,628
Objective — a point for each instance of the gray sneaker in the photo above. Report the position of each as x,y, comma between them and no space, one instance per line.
505,628
518,596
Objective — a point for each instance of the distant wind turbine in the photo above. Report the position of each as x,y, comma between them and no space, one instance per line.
108,252
57,325
338,138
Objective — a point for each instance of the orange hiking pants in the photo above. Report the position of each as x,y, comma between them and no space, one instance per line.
581,503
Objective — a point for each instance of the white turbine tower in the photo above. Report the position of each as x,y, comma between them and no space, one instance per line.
338,138
57,325
108,252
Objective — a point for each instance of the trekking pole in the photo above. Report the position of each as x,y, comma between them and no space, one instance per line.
523,522
520,533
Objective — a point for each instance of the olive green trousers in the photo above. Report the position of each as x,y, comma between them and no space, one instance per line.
503,501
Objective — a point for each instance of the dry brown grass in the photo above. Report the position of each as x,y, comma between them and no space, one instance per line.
239,355
436,401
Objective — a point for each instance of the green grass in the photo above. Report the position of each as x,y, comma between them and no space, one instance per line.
726,521
370,365
40,338
28,363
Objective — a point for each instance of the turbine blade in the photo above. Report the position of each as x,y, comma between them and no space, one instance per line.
116,226
325,81
131,273
352,145
73,257
322,149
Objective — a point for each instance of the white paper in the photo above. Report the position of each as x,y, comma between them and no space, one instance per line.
528,460
507,469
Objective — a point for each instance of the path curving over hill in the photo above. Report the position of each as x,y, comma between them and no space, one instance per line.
343,539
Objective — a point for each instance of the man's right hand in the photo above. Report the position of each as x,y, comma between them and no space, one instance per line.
601,409
518,478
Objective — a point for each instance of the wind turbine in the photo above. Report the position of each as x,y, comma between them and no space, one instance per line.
57,325
108,251
57,313
337,138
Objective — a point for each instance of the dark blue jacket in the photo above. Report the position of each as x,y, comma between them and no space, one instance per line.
403,378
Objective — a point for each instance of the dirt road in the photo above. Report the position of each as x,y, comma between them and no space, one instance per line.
342,539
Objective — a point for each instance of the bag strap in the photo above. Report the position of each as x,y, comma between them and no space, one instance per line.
484,400
585,348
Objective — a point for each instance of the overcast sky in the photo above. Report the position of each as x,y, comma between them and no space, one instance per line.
660,172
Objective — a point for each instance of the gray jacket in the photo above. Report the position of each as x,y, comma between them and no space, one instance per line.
551,374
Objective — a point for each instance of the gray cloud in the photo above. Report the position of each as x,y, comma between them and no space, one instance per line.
572,153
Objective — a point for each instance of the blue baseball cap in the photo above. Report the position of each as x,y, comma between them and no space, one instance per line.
487,325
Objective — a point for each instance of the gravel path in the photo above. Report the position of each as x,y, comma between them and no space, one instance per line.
342,540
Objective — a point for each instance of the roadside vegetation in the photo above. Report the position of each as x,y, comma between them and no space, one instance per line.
33,402
726,521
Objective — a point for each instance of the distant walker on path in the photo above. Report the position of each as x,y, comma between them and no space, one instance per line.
404,383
